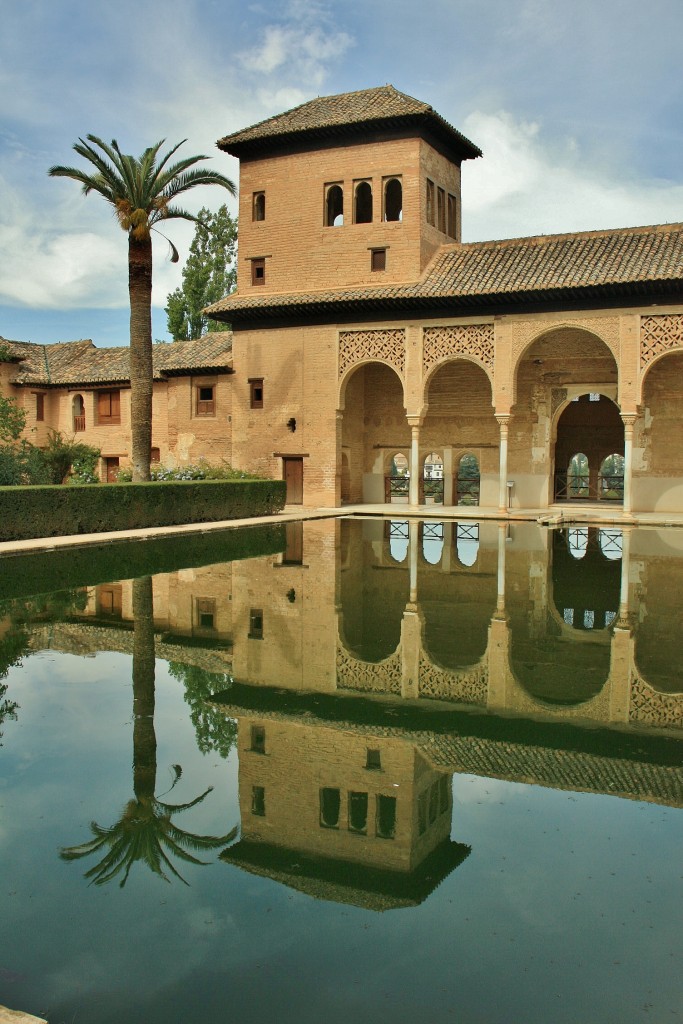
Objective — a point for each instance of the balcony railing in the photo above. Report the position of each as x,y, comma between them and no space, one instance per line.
79,424
580,487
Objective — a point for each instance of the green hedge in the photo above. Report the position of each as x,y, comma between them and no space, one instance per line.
23,576
27,512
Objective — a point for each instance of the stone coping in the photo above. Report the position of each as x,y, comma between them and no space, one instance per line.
8,1016
556,515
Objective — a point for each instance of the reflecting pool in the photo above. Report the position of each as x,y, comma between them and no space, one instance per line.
380,770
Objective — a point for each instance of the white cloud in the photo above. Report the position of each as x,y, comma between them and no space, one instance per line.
525,185
304,51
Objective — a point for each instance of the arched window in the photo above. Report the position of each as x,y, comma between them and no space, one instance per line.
334,207
578,476
362,213
611,478
432,474
259,206
397,481
78,411
467,481
393,199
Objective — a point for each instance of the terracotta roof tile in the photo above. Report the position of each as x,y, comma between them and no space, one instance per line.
538,268
346,112
80,362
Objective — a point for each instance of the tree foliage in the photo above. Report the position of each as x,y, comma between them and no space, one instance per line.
208,275
12,420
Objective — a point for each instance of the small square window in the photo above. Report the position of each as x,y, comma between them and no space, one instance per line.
378,259
258,271
40,408
258,739
256,393
258,801
256,624
373,760
206,400
258,206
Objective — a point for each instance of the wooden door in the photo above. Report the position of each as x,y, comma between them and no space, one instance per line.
112,469
293,475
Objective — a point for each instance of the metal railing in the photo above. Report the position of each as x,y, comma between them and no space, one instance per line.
466,491
580,487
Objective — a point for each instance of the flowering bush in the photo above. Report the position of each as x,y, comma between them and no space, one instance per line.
201,470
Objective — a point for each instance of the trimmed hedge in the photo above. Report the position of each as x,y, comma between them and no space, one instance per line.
23,576
58,511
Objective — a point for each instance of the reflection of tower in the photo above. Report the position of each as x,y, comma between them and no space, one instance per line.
355,818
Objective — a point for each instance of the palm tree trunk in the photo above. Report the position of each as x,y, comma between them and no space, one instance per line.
144,736
141,374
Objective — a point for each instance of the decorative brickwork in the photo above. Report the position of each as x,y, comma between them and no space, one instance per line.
388,346
381,677
605,329
648,705
474,341
659,334
468,686
558,396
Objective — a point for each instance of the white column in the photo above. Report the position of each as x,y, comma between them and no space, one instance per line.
448,475
628,420
504,423
415,468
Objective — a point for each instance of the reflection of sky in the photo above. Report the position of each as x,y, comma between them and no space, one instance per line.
566,904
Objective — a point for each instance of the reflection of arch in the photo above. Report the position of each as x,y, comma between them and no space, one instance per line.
433,534
586,581
78,413
399,539
467,543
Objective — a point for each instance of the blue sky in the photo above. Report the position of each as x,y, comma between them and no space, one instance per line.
576,104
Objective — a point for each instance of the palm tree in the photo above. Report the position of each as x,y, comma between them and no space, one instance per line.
141,190
145,830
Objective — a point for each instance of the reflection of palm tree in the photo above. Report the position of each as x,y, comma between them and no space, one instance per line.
145,831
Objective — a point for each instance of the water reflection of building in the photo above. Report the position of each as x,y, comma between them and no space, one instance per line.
359,819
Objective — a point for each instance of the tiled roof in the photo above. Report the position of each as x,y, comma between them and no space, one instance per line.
588,265
346,113
80,362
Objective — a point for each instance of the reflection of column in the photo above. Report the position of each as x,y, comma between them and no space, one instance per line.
414,490
628,420
625,571
411,638
504,423
500,601
414,533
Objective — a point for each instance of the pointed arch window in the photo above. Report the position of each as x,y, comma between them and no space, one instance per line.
334,206
393,199
362,203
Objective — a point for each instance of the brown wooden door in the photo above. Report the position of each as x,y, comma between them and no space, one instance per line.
112,469
293,475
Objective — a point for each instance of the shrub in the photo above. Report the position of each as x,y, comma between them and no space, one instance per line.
201,470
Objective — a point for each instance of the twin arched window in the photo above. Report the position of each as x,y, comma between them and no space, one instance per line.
363,204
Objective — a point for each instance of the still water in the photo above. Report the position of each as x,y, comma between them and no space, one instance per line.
357,770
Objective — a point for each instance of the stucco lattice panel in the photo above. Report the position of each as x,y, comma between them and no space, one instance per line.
659,334
382,677
473,340
389,346
470,686
596,708
664,710
526,331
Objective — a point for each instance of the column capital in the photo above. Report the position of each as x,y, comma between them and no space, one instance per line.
628,419
503,419
414,421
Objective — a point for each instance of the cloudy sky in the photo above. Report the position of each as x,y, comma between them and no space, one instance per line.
575,103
